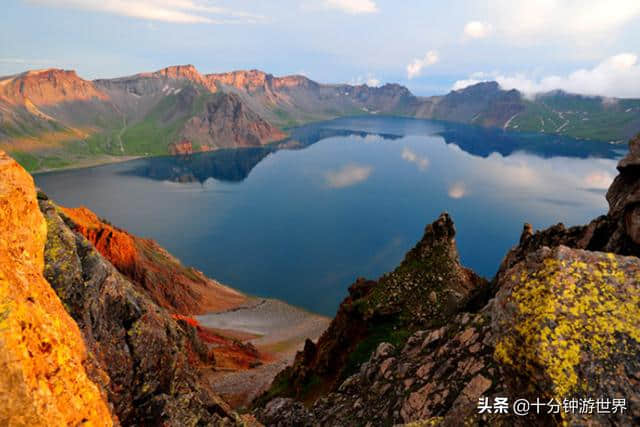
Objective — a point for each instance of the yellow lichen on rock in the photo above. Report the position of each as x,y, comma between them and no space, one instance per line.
43,380
576,308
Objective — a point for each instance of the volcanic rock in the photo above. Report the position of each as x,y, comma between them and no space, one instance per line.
171,285
388,309
153,362
46,369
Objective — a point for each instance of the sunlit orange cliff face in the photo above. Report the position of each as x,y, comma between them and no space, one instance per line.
43,380
179,289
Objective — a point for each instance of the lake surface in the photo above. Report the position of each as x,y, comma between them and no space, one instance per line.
301,220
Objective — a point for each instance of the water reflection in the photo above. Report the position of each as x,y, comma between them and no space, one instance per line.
234,165
485,141
301,220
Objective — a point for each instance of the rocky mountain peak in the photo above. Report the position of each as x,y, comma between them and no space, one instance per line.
438,235
184,72
294,81
48,87
480,88
249,80
178,71
427,287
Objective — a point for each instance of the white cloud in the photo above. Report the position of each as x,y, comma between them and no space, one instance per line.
477,29
410,156
552,18
461,84
348,175
370,80
353,6
457,190
178,11
373,82
414,69
617,76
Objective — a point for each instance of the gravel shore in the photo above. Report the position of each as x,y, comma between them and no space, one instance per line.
278,329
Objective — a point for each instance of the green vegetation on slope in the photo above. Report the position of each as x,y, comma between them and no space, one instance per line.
161,126
578,117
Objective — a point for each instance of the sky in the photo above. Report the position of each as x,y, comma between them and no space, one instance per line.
432,47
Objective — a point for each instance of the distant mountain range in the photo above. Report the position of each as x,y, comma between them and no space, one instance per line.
53,118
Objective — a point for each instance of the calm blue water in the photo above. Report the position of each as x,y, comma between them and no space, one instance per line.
345,198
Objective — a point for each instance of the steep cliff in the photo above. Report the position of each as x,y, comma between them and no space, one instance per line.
155,365
171,285
46,369
227,122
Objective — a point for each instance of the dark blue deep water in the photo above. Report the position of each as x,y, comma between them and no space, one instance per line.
299,221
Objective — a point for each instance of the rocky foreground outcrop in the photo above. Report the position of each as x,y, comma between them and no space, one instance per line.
617,232
150,359
559,328
44,377
80,342
563,325
425,290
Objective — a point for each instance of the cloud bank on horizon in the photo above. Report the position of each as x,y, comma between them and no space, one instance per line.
583,46
617,76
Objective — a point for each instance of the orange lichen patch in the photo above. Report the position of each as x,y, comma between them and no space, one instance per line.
229,353
575,309
170,284
42,353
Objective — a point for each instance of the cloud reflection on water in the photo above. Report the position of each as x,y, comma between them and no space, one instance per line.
348,175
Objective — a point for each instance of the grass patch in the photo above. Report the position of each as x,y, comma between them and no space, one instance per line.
26,160
154,133
391,332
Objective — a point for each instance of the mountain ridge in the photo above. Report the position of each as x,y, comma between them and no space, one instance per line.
52,118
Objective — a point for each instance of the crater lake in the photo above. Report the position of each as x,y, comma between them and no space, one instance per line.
300,220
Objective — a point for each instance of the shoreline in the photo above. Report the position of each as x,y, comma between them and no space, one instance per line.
89,163
277,329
